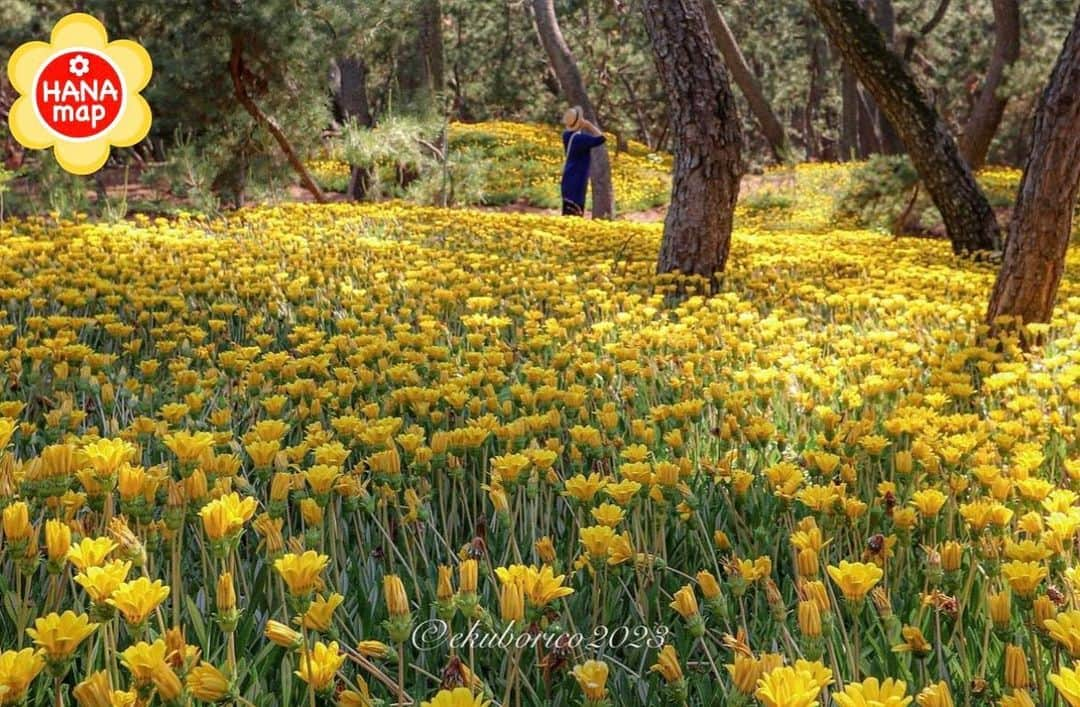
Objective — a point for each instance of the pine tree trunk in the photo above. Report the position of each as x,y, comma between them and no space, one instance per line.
985,116
573,88
745,79
421,62
968,217
352,100
708,164
1042,220
849,115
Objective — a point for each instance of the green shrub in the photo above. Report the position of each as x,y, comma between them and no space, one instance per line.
885,194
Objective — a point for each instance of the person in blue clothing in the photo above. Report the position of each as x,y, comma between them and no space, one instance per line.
579,140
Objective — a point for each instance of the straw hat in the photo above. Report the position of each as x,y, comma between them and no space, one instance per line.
572,117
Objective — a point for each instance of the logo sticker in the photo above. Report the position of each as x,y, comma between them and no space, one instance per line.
79,94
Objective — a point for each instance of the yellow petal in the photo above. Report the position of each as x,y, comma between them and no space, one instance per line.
133,125
133,61
26,128
79,30
24,63
82,157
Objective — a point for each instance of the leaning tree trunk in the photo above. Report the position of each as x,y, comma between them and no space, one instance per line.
573,88
236,72
745,79
985,116
708,164
968,217
352,99
1042,220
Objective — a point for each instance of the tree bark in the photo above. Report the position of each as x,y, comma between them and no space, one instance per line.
1042,220
708,142
968,218
429,46
352,101
849,115
885,17
573,89
236,71
745,79
985,116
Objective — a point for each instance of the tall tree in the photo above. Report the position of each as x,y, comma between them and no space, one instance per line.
745,79
989,107
967,214
421,74
352,100
573,89
708,144
1039,232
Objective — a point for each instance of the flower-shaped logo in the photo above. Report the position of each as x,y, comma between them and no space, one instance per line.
79,94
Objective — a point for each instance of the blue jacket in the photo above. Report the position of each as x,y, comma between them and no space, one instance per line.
577,146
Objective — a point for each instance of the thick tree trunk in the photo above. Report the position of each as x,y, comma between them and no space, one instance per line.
849,115
573,88
1039,233
985,116
968,217
708,163
236,72
745,79
352,101
421,62
429,46
351,94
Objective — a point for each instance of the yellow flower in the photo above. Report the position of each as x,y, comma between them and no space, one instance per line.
928,501
685,603
58,635
667,664
301,572
458,697
320,615
189,447
584,488
225,517
1019,698
592,677
282,635
166,681
1024,577
512,603
608,514
207,683
791,686
1065,629
95,691
397,601
809,619
17,670
101,582
543,587
467,576
914,642
1016,667
106,455
319,665
936,695
57,540
137,598
374,649
142,659
90,552
871,693
1067,682
855,579
16,522
445,587
597,539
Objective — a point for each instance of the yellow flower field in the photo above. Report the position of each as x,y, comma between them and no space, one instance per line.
383,454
